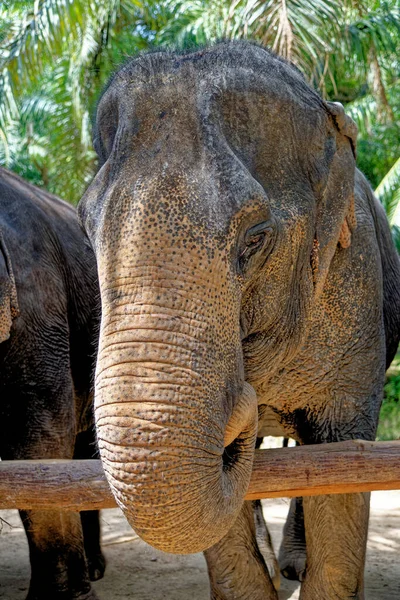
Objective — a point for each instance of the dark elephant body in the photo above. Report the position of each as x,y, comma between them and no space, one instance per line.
245,269
48,317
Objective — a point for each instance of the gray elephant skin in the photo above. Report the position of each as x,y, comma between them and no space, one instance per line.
48,331
245,270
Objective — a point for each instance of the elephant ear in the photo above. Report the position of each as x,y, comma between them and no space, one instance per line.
8,293
336,219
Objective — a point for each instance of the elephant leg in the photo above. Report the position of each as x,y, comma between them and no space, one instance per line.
43,426
336,525
91,537
263,538
292,553
57,556
236,567
336,535
264,544
85,447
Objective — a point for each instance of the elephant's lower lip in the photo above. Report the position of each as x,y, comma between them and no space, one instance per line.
244,416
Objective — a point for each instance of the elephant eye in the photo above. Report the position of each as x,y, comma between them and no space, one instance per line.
256,235
255,240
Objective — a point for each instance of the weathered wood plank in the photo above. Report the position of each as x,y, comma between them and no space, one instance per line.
338,468
67,484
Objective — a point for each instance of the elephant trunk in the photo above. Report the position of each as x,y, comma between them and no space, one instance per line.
176,432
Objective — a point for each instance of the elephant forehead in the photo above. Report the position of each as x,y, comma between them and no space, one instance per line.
196,78
215,64
210,134
233,101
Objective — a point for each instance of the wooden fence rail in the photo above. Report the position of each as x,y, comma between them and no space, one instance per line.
337,468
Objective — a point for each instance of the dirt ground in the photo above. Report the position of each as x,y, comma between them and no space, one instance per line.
135,571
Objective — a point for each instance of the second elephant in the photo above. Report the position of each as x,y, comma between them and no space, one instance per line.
49,314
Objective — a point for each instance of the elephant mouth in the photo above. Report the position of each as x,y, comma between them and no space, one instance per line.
232,453
241,429
243,419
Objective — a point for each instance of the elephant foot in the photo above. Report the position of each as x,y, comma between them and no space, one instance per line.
293,564
60,595
253,594
90,596
96,566
292,553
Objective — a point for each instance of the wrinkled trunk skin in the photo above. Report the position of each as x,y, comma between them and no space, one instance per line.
170,395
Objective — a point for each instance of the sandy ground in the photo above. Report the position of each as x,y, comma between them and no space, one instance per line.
135,571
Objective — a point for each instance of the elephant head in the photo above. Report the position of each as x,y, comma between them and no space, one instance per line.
224,189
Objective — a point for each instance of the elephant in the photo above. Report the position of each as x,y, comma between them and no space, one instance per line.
247,273
49,313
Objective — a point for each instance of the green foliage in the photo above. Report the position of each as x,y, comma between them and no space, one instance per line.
379,152
289,27
52,68
56,55
389,422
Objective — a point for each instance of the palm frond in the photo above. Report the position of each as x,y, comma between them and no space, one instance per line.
388,192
